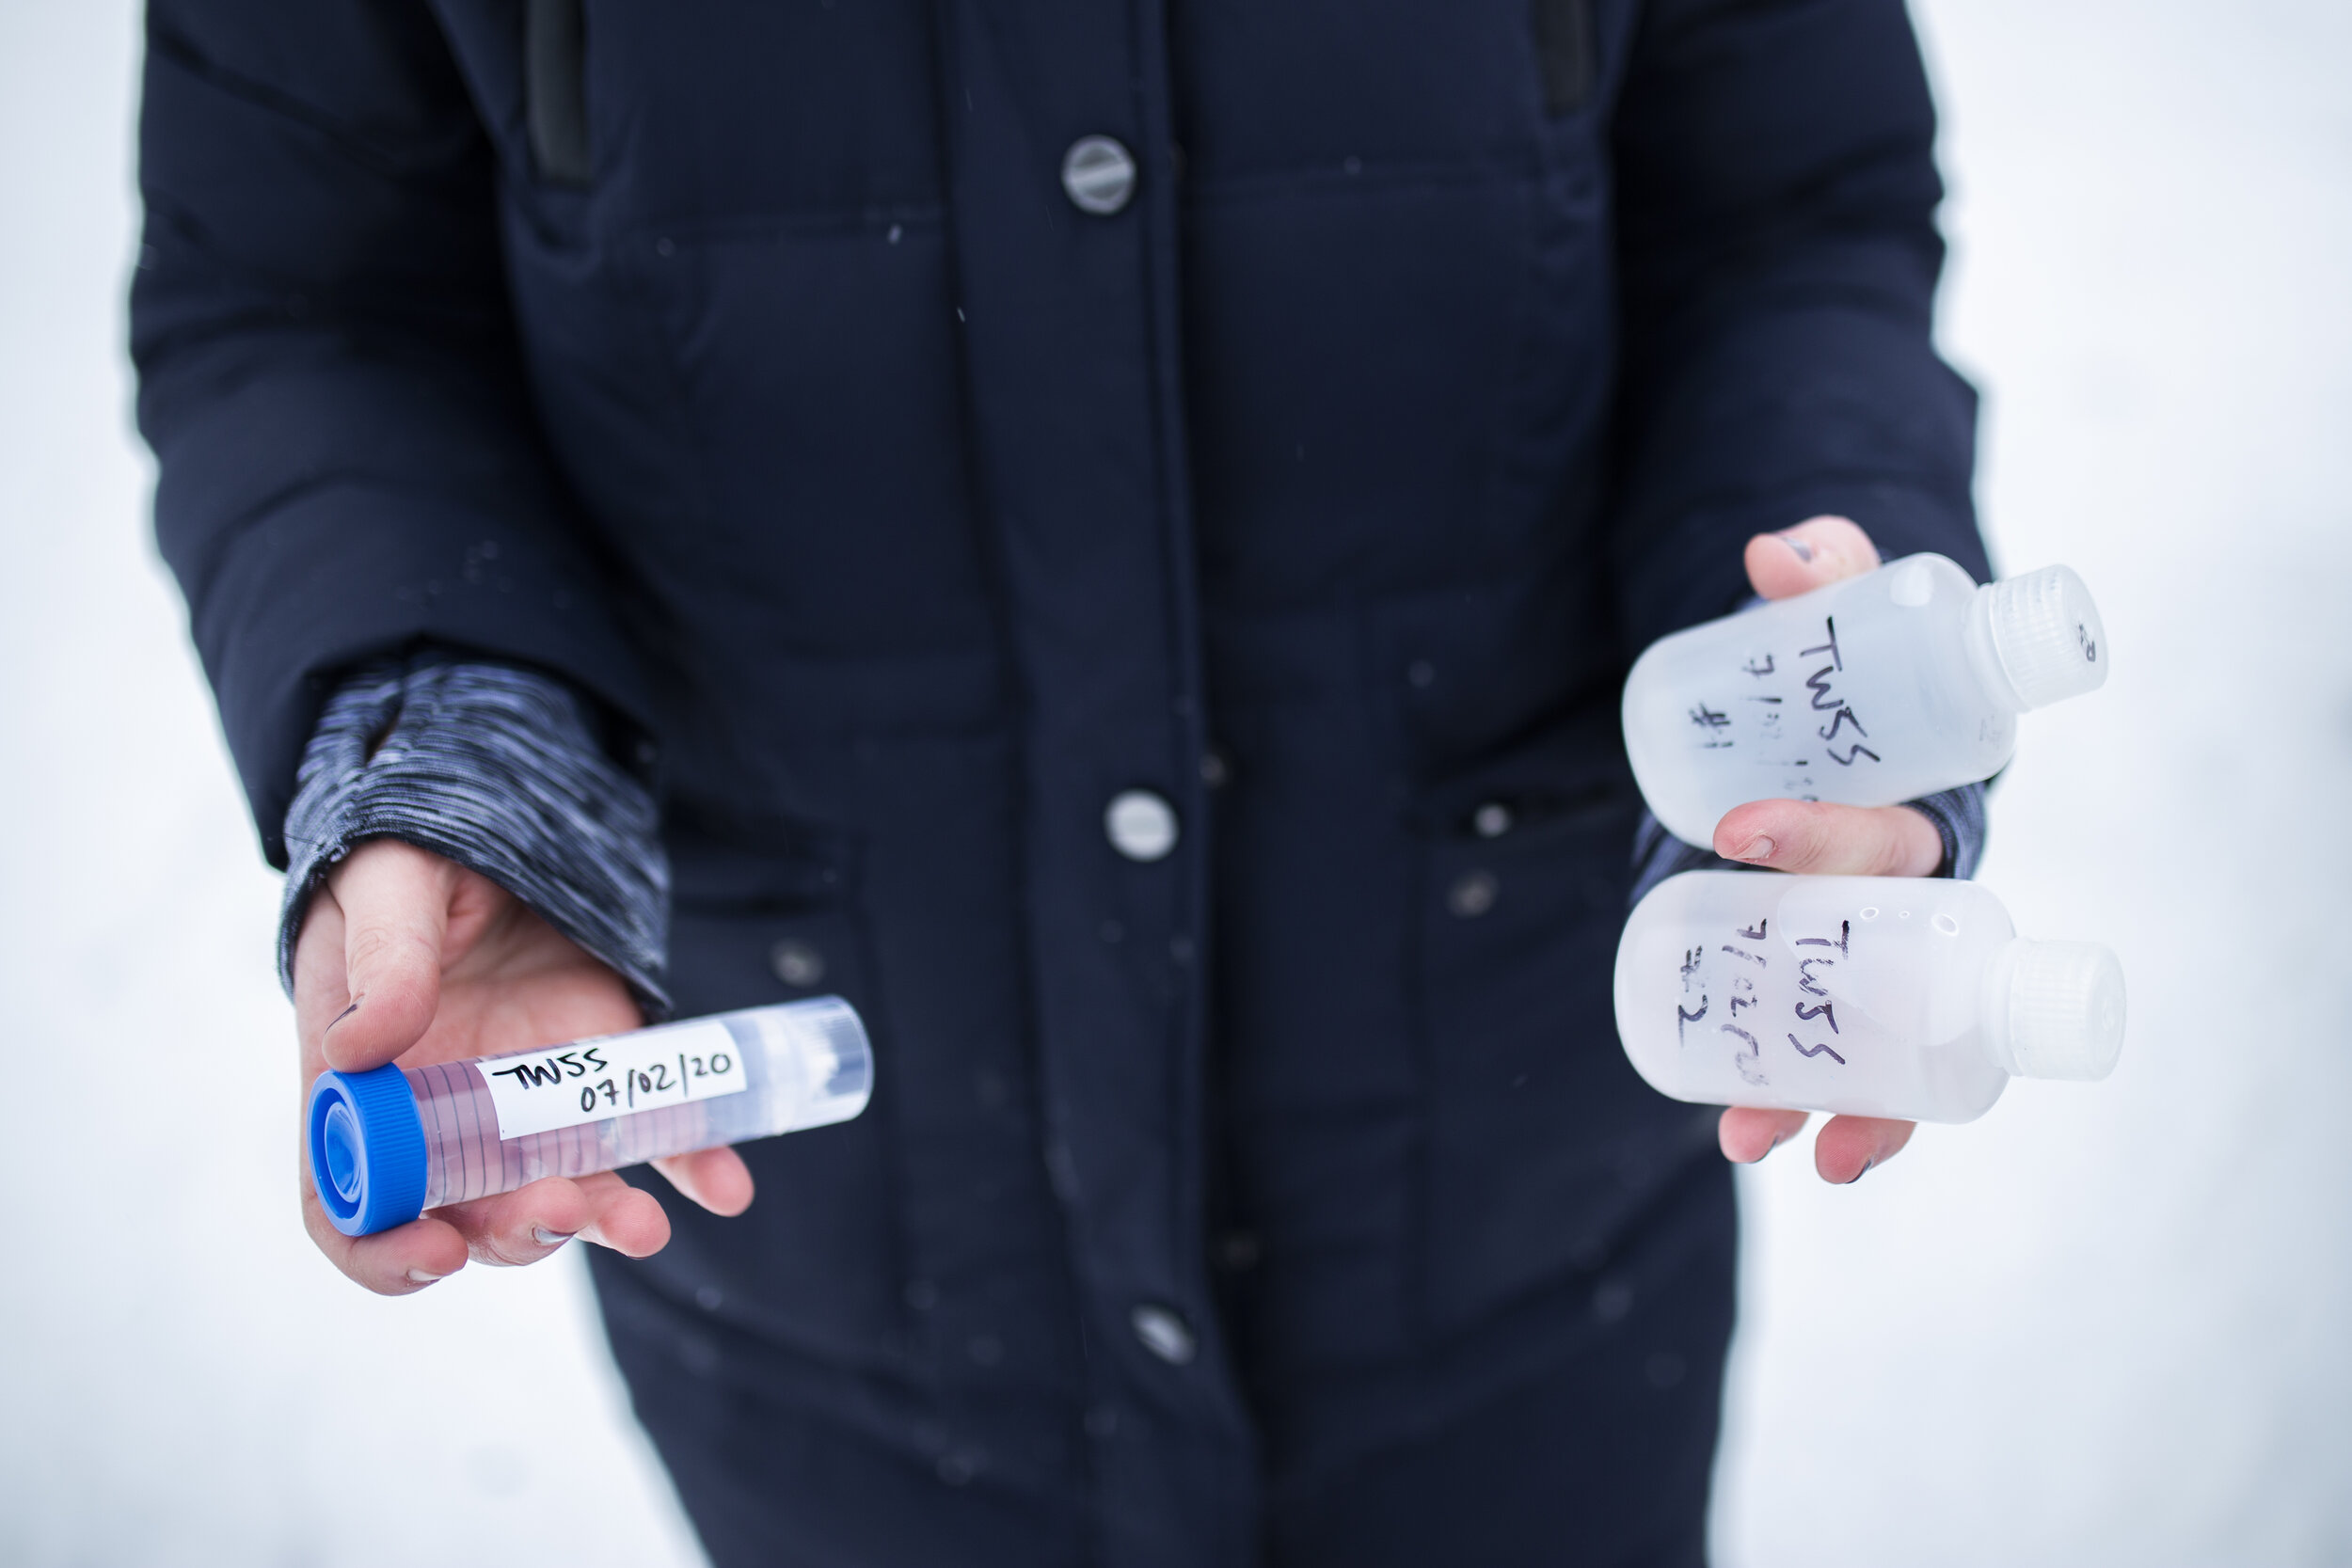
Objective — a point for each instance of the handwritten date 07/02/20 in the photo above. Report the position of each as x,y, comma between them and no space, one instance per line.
623,1090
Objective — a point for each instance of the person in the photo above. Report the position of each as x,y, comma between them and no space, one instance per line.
1108,536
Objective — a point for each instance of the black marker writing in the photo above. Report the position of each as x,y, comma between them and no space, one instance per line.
1845,716
1830,647
1804,1050
1845,934
1751,1061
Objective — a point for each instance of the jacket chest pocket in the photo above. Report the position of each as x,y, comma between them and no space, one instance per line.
706,112
555,91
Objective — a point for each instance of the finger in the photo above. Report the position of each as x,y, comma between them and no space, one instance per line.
628,1221
1749,1132
319,990
394,901
523,1225
1820,839
715,1178
1817,551
533,1221
1850,1146
396,1263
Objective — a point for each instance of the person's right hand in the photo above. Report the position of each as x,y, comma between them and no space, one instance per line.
406,957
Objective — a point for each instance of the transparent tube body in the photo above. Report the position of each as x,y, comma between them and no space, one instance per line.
806,1064
1871,691
1874,996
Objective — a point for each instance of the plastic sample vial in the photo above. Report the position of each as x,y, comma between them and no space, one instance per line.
1876,996
388,1143
1870,691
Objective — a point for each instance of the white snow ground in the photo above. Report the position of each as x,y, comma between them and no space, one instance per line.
2104,1325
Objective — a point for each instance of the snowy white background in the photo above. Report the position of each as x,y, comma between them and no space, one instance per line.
2104,1325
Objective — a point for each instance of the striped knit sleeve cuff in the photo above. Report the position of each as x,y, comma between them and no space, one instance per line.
1957,816
498,771
1657,855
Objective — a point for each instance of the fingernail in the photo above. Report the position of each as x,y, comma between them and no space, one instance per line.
545,1237
418,1276
1804,552
1864,1170
1757,850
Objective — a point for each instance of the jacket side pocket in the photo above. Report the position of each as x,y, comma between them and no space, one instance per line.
1541,1140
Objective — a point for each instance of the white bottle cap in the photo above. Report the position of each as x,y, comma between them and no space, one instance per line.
2055,1009
2047,636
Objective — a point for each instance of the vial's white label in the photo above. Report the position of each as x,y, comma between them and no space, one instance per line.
569,1085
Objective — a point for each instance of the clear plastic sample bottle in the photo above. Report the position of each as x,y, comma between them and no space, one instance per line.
388,1143
1877,996
1870,691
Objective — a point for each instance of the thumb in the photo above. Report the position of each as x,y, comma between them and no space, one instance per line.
394,899
1815,553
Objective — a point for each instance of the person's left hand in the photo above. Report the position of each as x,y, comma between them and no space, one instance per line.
1821,839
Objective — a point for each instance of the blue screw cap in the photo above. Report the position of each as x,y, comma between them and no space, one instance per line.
367,1149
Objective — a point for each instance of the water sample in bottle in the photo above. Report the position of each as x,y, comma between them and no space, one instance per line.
388,1143
1875,996
1870,691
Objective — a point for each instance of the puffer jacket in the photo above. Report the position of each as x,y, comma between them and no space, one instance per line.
1079,506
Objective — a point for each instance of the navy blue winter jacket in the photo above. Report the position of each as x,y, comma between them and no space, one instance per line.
757,369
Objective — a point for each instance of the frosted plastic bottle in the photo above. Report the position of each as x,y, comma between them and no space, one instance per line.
388,1143
1878,996
1870,691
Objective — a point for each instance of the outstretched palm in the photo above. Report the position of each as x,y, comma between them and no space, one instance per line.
406,957
1823,840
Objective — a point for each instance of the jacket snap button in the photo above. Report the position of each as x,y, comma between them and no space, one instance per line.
1164,1334
796,962
1472,894
1141,825
1099,175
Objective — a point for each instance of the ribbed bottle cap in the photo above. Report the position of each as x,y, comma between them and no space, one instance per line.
2047,636
367,1149
2064,1010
